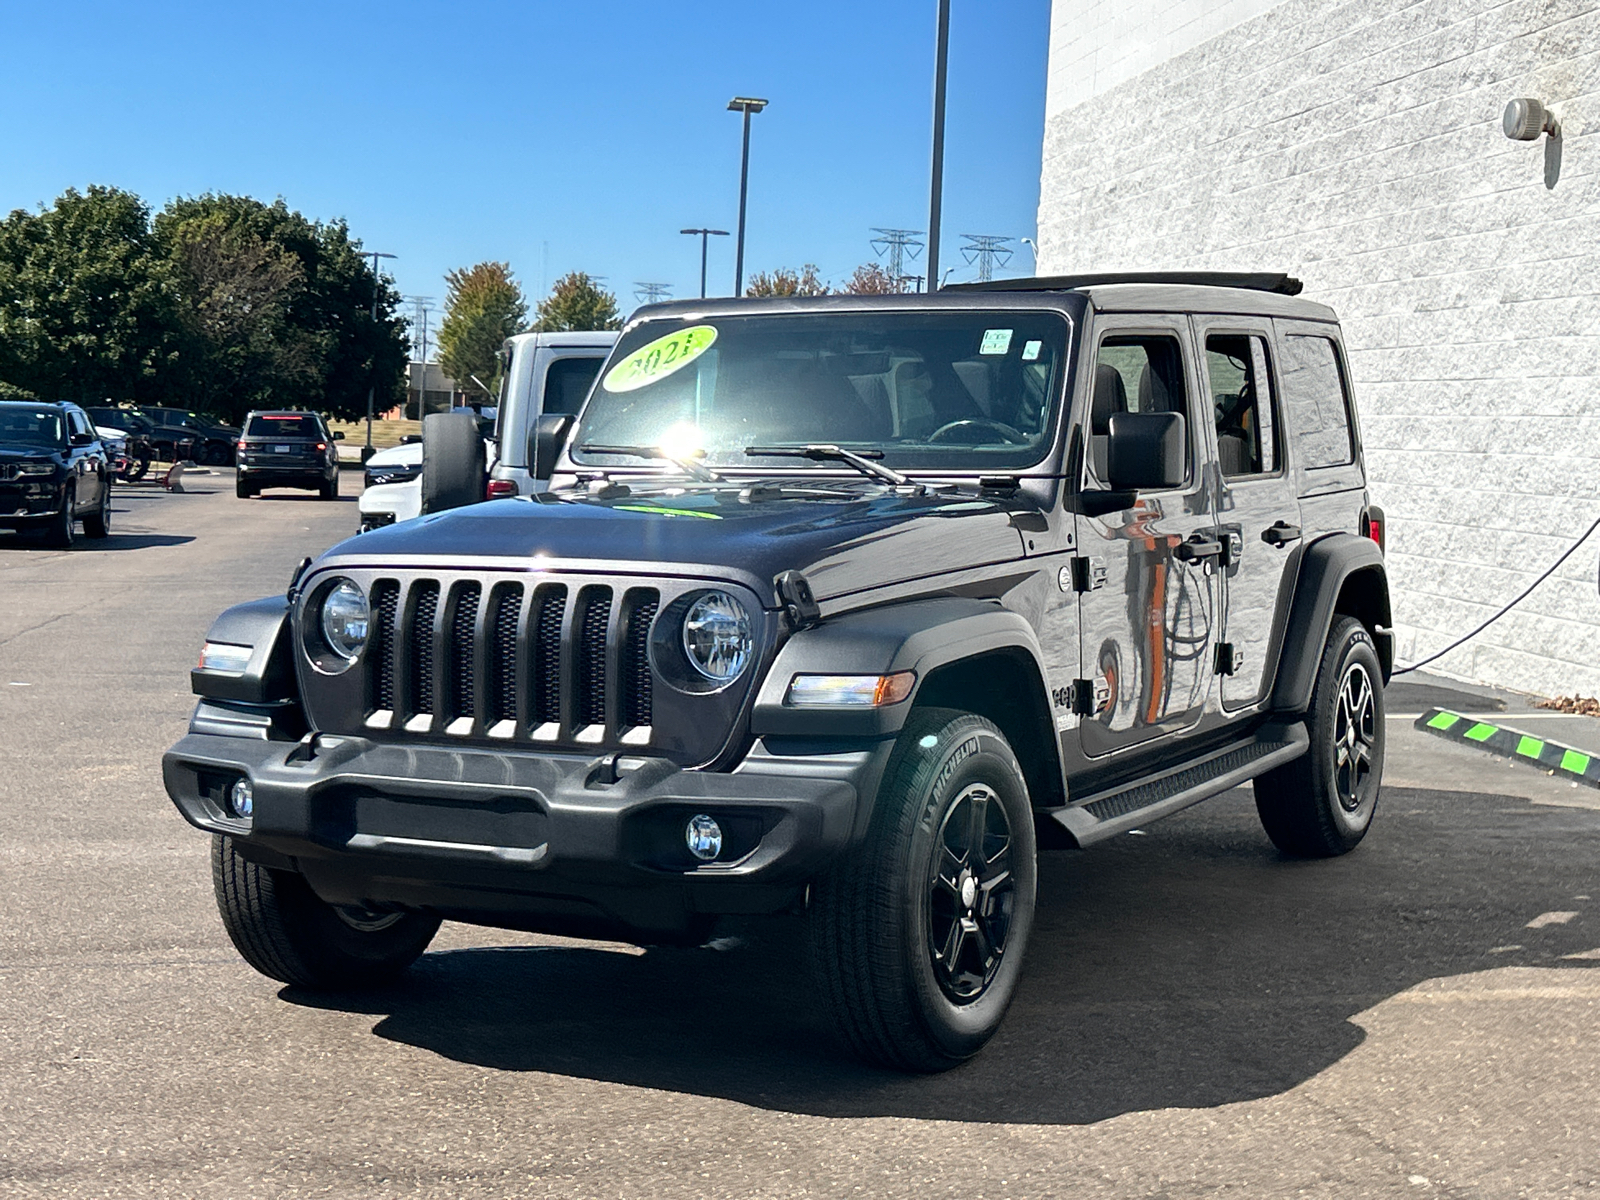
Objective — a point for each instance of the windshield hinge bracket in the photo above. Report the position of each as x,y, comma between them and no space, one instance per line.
799,605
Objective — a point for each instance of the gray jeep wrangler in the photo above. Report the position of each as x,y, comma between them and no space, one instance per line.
841,606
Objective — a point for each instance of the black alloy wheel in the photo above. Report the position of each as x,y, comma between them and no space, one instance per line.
917,932
1322,803
1355,736
971,894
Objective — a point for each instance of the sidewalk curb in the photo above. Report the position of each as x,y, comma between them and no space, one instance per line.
1550,757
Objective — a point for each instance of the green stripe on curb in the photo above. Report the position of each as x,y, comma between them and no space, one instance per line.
1550,757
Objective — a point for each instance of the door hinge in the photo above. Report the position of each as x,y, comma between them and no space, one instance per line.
1088,574
1230,659
1090,697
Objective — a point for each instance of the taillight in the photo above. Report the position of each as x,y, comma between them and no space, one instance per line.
322,445
1375,526
499,489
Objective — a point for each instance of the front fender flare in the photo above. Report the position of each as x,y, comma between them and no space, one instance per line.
920,636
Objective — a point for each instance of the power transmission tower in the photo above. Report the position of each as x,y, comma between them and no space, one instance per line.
898,245
649,293
986,250
421,311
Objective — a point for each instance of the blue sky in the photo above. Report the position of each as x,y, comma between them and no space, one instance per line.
553,136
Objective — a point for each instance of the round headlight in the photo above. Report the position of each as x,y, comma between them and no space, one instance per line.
716,636
345,618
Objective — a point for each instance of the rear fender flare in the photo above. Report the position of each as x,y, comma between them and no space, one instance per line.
1338,574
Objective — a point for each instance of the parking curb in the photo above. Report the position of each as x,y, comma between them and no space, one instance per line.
1551,757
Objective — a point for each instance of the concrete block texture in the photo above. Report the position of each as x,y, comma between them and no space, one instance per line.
1357,144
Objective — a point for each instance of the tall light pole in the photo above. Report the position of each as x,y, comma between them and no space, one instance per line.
377,285
705,236
747,105
936,199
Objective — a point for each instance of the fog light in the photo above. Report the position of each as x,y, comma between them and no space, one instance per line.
704,837
242,798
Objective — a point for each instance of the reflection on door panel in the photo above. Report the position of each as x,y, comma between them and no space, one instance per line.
1148,630
1260,546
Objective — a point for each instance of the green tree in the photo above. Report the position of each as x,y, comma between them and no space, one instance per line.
784,282
870,279
577,303
483,307
87,311
276,309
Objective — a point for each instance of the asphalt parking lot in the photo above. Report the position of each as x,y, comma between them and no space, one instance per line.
1199,1016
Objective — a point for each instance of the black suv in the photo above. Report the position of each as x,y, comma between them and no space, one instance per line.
214,442
287,449
54,472
842,606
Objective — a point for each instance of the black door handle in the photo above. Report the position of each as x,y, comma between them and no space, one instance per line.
1280,534
1196,548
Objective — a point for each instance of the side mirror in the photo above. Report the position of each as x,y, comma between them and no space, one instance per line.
411,439
1146,451
544,444
337,436
83,439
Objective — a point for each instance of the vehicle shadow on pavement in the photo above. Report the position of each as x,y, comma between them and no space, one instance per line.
113,541
1189,967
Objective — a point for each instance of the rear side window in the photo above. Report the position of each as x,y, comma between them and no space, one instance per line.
567,383
1241,400
285,426
1318,402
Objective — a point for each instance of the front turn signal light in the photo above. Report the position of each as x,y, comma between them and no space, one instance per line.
851,691
222,656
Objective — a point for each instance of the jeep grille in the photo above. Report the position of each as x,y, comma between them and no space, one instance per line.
527,662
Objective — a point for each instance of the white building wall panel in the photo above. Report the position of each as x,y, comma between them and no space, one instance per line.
1358,146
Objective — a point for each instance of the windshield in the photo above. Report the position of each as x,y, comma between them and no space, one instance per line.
284,425
24,425
941,391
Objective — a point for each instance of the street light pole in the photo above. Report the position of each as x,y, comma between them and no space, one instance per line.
747,105
705,236
936,198
377,284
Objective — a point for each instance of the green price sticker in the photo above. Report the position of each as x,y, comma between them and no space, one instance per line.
660,358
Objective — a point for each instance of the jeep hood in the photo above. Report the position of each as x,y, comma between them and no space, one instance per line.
847,541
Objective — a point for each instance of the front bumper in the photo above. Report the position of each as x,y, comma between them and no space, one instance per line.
25,502
556,842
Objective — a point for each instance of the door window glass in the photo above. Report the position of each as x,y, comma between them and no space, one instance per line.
1134,373
1317,401
1241,398
567,383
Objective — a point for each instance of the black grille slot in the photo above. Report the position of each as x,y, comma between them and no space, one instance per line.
503,653
385,604
462,623
641,607
546,668
589,632
420,644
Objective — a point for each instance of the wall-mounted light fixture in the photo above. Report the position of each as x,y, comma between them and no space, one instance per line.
1525,120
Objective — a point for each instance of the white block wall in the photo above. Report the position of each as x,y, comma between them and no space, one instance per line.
1358,145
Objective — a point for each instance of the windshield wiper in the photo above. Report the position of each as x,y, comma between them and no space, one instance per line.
822,452
687,465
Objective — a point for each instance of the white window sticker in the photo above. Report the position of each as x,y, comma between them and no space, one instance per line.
1030,351
995,341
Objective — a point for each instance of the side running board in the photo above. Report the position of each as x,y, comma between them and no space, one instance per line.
1116,810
